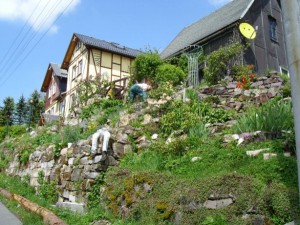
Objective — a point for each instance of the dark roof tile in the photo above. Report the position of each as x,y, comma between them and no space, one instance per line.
58,71
108,46
228,14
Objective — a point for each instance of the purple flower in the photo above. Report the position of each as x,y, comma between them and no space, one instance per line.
245,135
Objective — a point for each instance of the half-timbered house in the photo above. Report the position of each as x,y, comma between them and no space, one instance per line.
87,57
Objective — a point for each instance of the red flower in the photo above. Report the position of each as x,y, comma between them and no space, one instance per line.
244,79
239,85
251,76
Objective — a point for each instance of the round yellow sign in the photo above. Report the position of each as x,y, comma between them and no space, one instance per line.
247,30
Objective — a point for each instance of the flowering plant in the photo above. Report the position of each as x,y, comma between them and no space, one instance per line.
245,76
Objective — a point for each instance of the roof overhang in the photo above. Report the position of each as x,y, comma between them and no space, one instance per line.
47,79
69,53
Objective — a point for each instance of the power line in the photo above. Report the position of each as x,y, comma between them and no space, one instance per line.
33,35
36,44
10,58
19,34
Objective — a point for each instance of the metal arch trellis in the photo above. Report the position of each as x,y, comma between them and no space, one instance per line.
193,53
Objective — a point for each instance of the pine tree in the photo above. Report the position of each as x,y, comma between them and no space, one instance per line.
8,110
36,106
21,110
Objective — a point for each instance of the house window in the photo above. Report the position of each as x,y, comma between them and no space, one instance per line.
52,110
61,107
72,100
50,91
79,71
54,88
73,72
273,28
284,71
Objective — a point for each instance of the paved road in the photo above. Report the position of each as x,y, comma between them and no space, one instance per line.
8,218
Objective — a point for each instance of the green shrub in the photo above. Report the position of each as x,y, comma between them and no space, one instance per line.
2,133
169,73
43,138
214,220
12,131
164,89
218,62
94,198
281,203
3,160
145,66
89,88
71,134
47,190
180,118
212,99
181,62
286,89
24,157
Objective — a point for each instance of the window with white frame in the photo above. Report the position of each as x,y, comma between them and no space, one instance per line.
72,99
79,70
61,107
284,71
53,88
52,110
74,72
50,91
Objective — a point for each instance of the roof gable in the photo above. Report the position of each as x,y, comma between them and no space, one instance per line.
98,44
53,70
225,16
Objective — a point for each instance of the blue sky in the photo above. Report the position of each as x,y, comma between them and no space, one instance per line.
37,32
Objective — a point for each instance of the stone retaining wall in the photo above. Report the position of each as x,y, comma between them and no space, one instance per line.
261,90
74,170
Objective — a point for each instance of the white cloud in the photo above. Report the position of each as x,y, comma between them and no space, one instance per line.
218,3
39,14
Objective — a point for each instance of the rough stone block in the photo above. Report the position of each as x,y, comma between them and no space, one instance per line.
217,204
75,207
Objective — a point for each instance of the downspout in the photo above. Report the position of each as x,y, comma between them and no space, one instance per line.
291,18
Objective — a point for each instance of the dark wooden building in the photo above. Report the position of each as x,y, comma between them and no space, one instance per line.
267,51
55,86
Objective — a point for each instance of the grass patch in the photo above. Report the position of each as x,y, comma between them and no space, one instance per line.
25,216
15,185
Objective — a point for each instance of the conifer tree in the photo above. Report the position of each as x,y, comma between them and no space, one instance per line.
8,110
36,106
21,110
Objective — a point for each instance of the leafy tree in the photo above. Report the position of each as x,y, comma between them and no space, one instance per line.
8,110
145,66
21,110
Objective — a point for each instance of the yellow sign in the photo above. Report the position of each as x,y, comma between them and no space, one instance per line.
247,30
